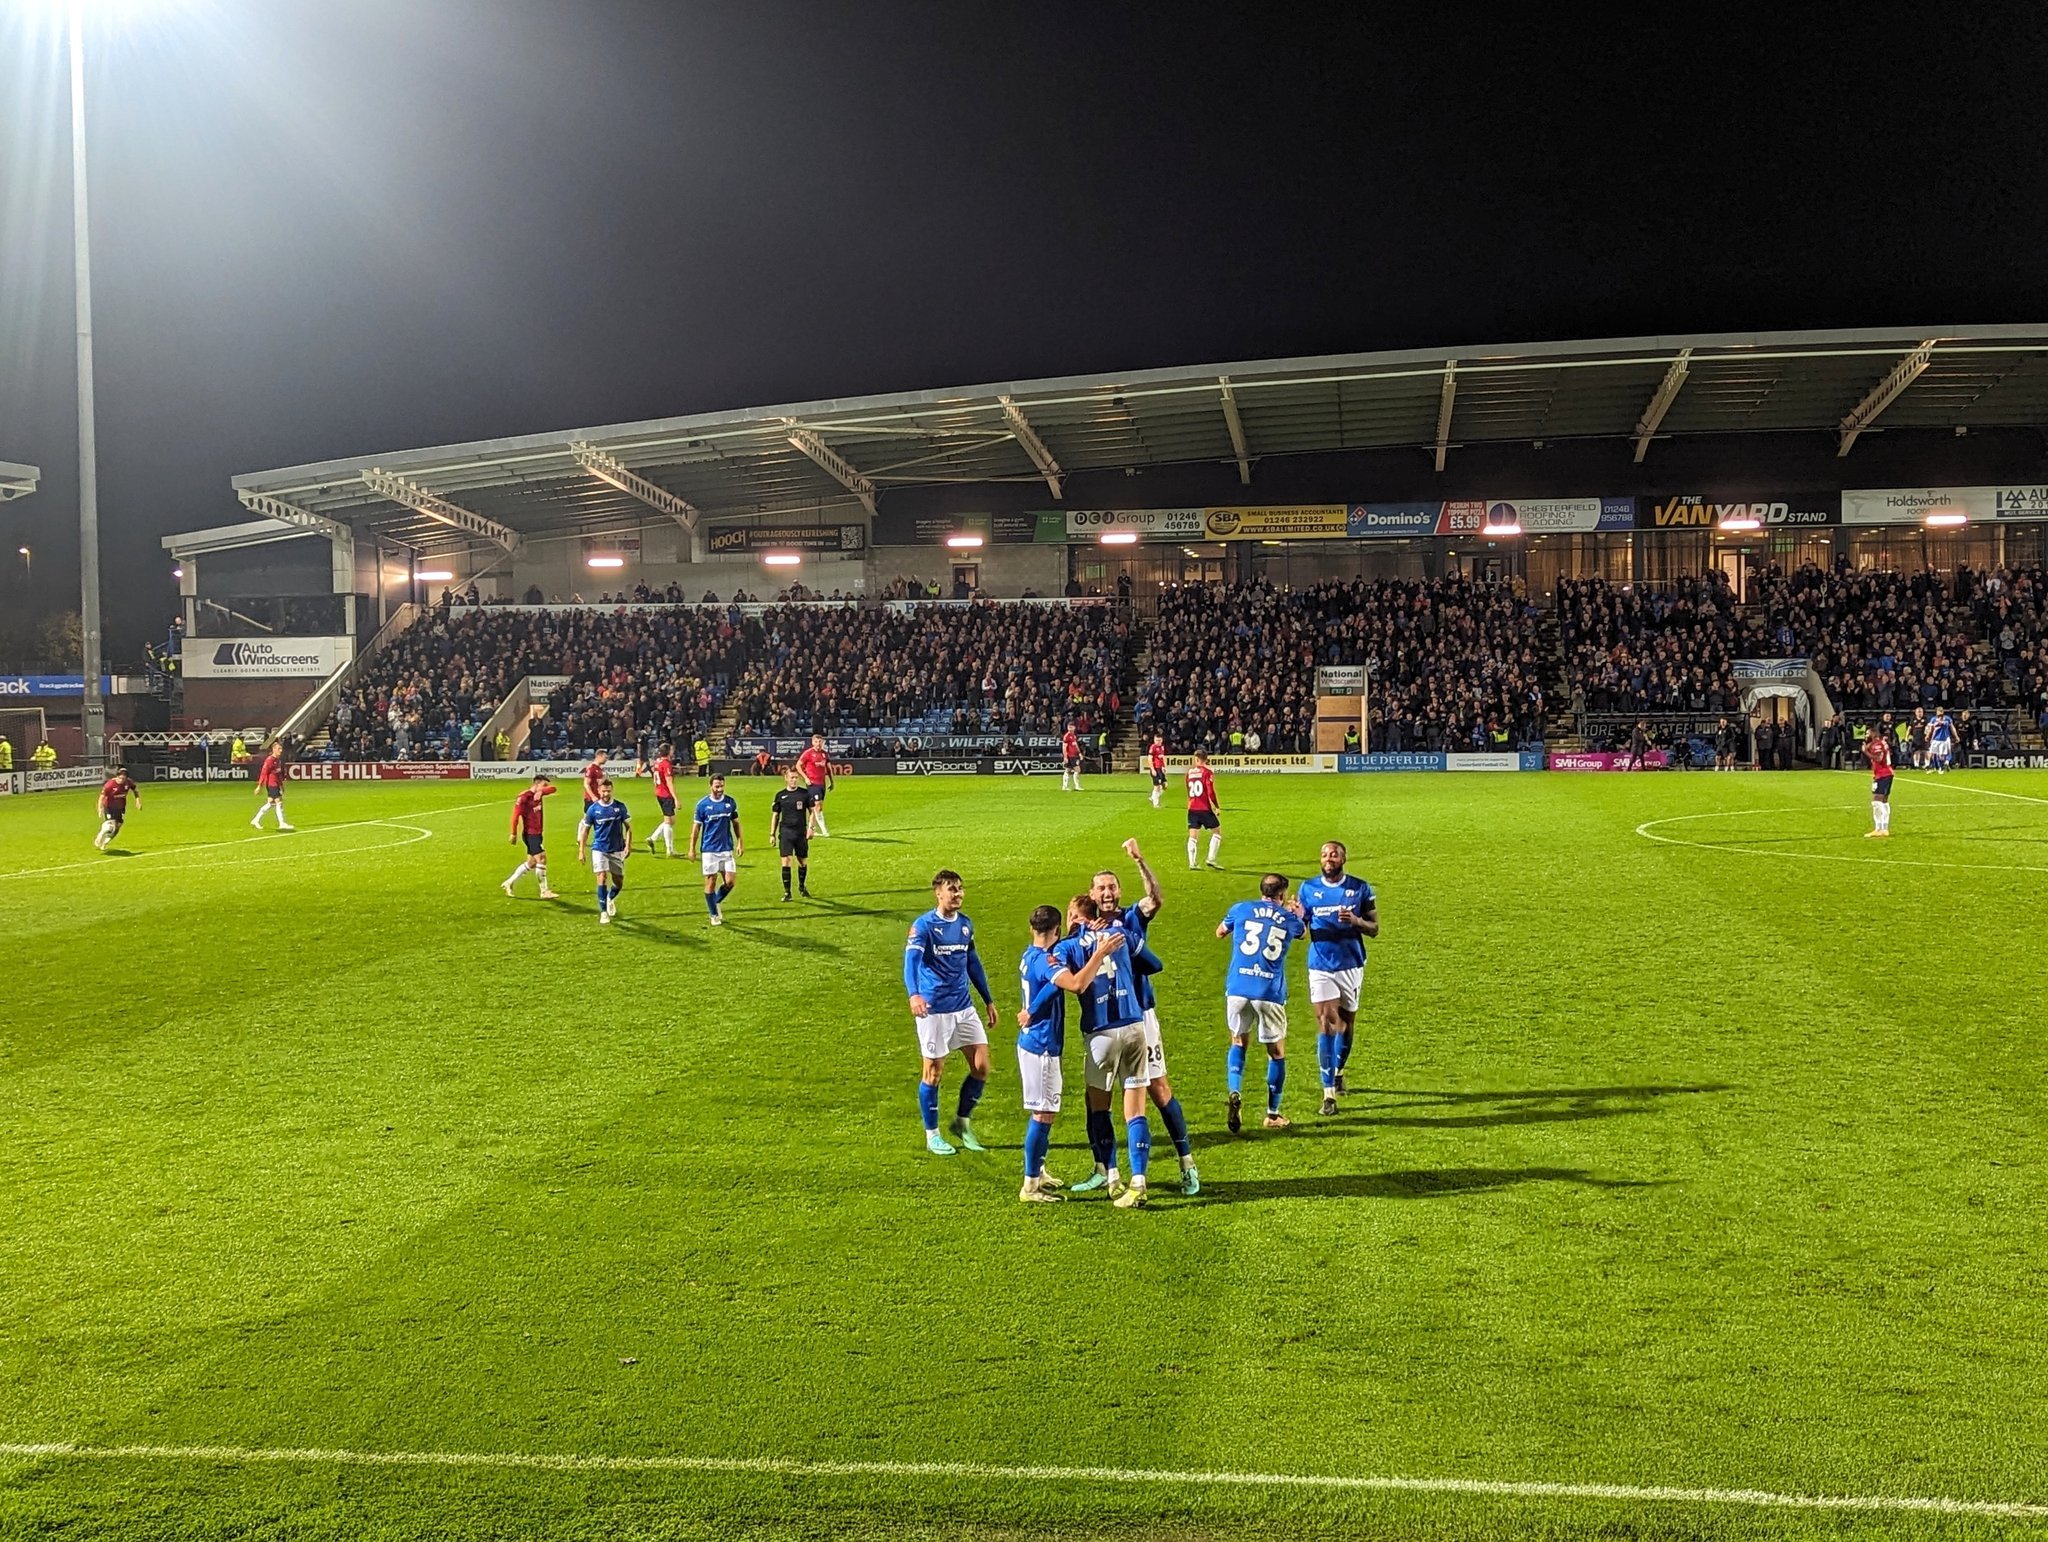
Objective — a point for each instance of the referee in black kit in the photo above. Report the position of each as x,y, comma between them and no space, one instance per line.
795,810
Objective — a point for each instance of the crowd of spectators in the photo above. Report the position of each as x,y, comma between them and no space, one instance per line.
427,692
1015,670
1655,650
1454,663
1880,640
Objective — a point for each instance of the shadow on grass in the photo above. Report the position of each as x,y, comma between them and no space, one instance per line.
1429,1183
1460,1110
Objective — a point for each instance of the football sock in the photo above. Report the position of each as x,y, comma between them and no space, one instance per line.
803,876
970,1094
604,896
1234,1068
1215,846
1344,1048
1102,1138
1276,1079
618,882
1037,1140
1194,850
710,902
1138,1136
540,870
1326,1059
521,868
723,890
785,883
1176,1124
928,1106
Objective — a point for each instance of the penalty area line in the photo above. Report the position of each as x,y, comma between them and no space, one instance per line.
989,1471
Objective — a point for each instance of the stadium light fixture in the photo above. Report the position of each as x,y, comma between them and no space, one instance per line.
437,575
177,573
604,562
963,542
1501,521
1739,523
1947,519
781,559
1119,538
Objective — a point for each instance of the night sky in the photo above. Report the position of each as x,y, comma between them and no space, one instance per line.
331,228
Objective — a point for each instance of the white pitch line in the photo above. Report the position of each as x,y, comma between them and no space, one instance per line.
1646,831
267,839
1989,792
990,1471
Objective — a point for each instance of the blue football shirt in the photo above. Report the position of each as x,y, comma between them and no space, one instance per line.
607,823
1334,945
1260,932
717,816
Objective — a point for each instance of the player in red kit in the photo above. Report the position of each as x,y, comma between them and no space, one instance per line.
1202,810
816,767
526,826
114,795
270,785
665,796
594,773
1877,749
1070,760
1155,758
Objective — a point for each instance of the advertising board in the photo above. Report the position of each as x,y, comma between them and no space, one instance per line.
264,658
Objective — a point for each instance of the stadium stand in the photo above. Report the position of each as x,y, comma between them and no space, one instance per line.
940,669
1456,662
1881,640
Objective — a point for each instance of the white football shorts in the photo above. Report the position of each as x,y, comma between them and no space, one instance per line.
1268,1019
607,864
716,862
1116,1057
940,1033
1155,1046
1039,1075
1338,985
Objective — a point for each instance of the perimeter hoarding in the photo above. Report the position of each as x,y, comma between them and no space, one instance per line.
1694,511
1470,516
819,539
1912,505
269,658
1304,522
1146,524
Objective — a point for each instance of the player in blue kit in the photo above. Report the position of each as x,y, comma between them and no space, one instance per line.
1113,1028
1050,966
1107,892
939,963
715,829
607,829
1941,741
1255,999
1341,913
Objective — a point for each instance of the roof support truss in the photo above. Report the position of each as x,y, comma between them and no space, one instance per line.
1660,402
1034,446
615,473
292,514
834,464
1446,399
1236,426
435,507
1884,393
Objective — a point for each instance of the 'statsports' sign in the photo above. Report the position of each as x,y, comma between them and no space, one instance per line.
264,658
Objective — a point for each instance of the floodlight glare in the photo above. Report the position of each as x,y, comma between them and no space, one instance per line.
604,562
435,575
1947,519
1119,538
963,541
781,559
1741,522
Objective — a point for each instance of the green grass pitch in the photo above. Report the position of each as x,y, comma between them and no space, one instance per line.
1704,1155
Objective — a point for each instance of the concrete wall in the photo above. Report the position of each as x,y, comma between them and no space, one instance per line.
244,703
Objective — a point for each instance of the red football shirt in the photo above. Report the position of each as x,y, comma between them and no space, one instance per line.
526,810
114,793
814,763
1158,757
1070,745
272,772
1879,754
1201,790
592,775
664,768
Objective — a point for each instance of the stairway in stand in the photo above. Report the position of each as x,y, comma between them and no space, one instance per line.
723,726
1123,746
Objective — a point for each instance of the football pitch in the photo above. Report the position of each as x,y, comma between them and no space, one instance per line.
1691,1174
